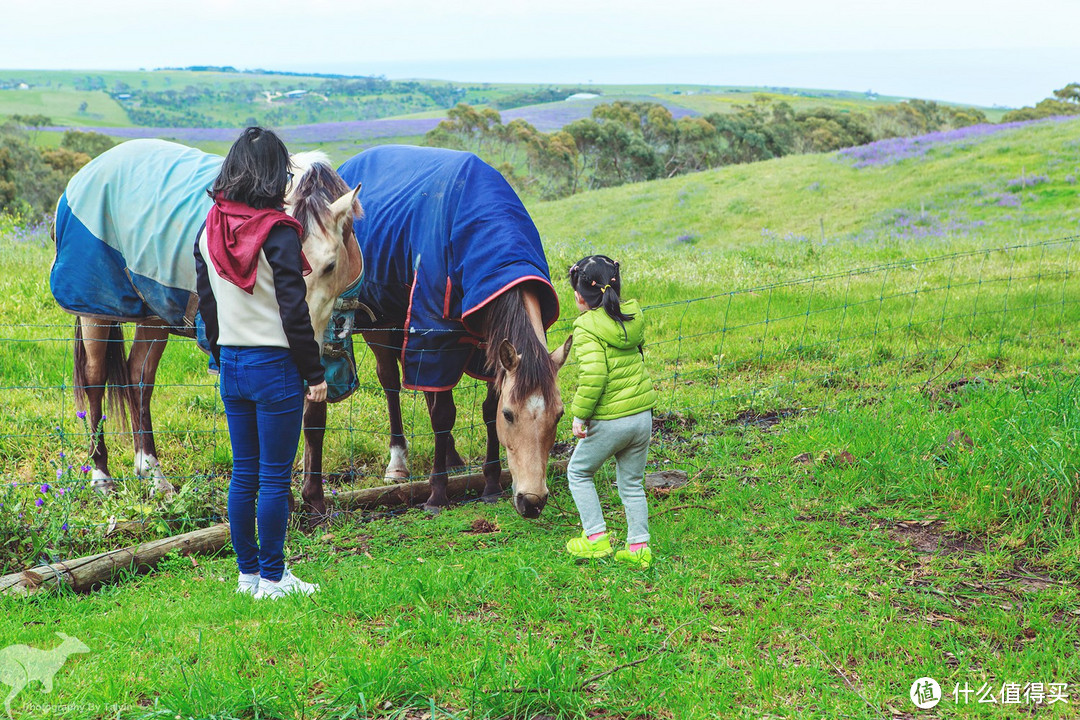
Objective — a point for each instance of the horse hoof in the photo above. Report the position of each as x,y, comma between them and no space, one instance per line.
315,520
433,510
163,488
490,499
104,486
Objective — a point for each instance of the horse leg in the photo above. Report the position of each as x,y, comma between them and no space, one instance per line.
492,466
311,490
385,345
443,414
149,343
91,343
453,459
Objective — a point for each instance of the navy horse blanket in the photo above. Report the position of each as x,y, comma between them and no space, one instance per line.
443,234
125,229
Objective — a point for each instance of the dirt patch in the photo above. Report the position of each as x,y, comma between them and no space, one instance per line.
840,520
672,426
665,479
482,526
929,537
484,612
764,418
561,450
948,396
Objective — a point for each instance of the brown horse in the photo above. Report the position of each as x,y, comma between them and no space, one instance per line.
455,276
124,257
521,411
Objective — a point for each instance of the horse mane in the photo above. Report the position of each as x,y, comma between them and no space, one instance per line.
315,191
506,318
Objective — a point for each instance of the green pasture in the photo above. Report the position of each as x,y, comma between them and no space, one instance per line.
866,373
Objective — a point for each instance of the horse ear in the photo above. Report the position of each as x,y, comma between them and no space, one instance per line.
559,354
347,204
508,356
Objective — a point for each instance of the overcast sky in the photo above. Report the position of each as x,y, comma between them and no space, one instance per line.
392,36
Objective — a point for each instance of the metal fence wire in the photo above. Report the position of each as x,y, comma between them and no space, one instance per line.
751,356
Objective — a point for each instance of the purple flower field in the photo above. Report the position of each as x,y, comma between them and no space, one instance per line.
894,150
552,116
545,118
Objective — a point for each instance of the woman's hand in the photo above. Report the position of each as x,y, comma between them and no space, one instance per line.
580,427
317,393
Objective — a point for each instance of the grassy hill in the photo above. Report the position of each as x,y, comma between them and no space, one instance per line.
866,365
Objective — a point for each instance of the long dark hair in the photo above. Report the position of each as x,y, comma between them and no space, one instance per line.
256,170
596,278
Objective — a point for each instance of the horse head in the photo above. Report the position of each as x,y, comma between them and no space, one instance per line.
321,201
527,416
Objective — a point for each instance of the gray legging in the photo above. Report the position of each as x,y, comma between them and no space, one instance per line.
628,440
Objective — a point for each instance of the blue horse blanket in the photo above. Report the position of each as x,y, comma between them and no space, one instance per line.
443,234
125,229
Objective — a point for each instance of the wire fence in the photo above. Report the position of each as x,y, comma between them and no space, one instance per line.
751,356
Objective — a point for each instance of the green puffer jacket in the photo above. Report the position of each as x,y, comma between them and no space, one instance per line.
612,380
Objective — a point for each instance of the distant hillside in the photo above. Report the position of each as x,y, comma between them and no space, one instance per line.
217,98
715,230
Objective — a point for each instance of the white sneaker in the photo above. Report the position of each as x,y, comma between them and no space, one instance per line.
288,585
248,583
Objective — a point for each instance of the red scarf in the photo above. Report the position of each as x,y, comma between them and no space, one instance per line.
235,234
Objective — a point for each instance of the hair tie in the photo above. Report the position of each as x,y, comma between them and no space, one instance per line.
604,289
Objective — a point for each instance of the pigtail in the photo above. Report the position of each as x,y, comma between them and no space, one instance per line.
613,305
596,278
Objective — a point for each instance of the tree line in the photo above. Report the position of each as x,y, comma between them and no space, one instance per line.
32,178
633,141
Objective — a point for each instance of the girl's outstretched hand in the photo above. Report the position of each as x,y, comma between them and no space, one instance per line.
580,427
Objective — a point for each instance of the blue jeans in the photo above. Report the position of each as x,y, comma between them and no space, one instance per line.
263,395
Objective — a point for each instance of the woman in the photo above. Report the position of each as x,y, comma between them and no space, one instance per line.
252,299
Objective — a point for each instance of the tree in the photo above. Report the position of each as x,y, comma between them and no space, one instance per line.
1066,101
91,144
28,185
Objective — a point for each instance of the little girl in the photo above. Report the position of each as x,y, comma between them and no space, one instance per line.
612,409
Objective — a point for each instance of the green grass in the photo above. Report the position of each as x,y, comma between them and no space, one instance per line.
832,544
63,106
776,586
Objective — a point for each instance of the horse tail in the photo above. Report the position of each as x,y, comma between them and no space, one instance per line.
80,367
117,377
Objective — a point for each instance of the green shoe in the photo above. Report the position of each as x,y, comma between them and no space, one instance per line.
583,547
641,557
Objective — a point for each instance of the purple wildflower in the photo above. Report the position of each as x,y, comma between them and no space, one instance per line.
894,150
81,414
59,473
64,527
39,502
84,468
44,488
1026,181
61,453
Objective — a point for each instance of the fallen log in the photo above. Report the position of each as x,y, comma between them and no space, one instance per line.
457,486
86,573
